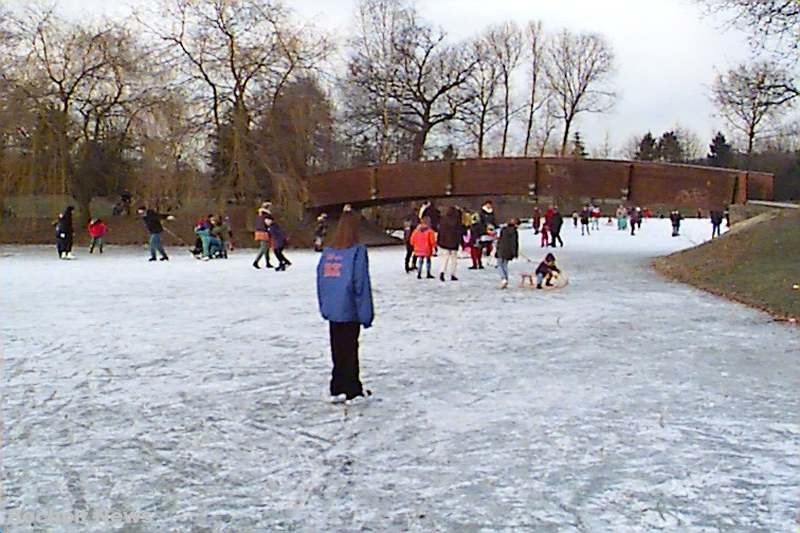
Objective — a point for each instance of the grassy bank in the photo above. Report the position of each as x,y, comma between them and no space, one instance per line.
756,264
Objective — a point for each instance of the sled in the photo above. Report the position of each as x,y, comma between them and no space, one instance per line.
528,280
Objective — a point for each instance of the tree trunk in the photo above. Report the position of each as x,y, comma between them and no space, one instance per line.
420,138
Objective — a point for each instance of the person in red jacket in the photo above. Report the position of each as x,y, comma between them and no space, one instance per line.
423,239
97,230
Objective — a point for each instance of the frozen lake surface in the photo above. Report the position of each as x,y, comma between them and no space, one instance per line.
193,391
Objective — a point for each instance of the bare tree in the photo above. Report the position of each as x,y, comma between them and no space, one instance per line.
539,90
505,43
749,96
480,115
578,67
428,85
237,56
376,30
771,23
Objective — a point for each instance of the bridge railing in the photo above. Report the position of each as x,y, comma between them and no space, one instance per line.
642,183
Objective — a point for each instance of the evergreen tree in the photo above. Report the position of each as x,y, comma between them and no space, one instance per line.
578,148
721,154
669,148
647,148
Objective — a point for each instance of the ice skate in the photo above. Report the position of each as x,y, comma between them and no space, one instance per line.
504,284
441,276
338,398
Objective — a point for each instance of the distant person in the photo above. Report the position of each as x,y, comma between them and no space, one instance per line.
344,294
65,233
279,240
556,224
448,240
634,220
221,230
536,220
716,223
261,236
423,239
675,217
431,212
152,220
476,231
97,231
320,232
622,218
507,250
596,215
408,229
487,214
575,219
586,217
545,239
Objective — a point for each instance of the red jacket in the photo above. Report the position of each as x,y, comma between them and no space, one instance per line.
97,230
424,241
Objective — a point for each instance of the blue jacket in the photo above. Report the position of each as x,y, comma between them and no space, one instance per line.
343,286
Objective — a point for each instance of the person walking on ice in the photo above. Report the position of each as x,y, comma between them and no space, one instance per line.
450,233
152,220
65,233
507,250
344,294
423,239
279,241
97,231
261,235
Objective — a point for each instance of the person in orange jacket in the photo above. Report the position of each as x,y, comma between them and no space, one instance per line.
423,239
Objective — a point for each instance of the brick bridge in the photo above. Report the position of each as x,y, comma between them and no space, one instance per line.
543,179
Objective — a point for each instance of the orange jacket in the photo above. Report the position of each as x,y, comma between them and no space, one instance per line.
423,240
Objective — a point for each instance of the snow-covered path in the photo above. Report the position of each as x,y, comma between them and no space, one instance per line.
192,391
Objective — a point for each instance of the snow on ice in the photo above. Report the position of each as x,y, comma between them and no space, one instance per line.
192,392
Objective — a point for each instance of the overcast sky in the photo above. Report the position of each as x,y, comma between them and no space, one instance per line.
666,52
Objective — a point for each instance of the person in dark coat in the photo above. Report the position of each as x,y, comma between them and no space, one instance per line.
675,217
488,217
65,233
586,216
432,213
279,241
633,216
449,239
152,220
556,223
507,250
545,270
716,223
344,294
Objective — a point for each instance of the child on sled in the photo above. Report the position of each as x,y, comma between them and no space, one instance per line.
546,270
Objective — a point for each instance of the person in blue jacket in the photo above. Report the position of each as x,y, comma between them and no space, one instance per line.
345,301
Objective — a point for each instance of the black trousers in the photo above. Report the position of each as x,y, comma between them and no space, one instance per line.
556,237
281,258
344,350
409,257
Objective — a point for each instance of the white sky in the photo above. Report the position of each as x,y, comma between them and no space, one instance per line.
667,53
